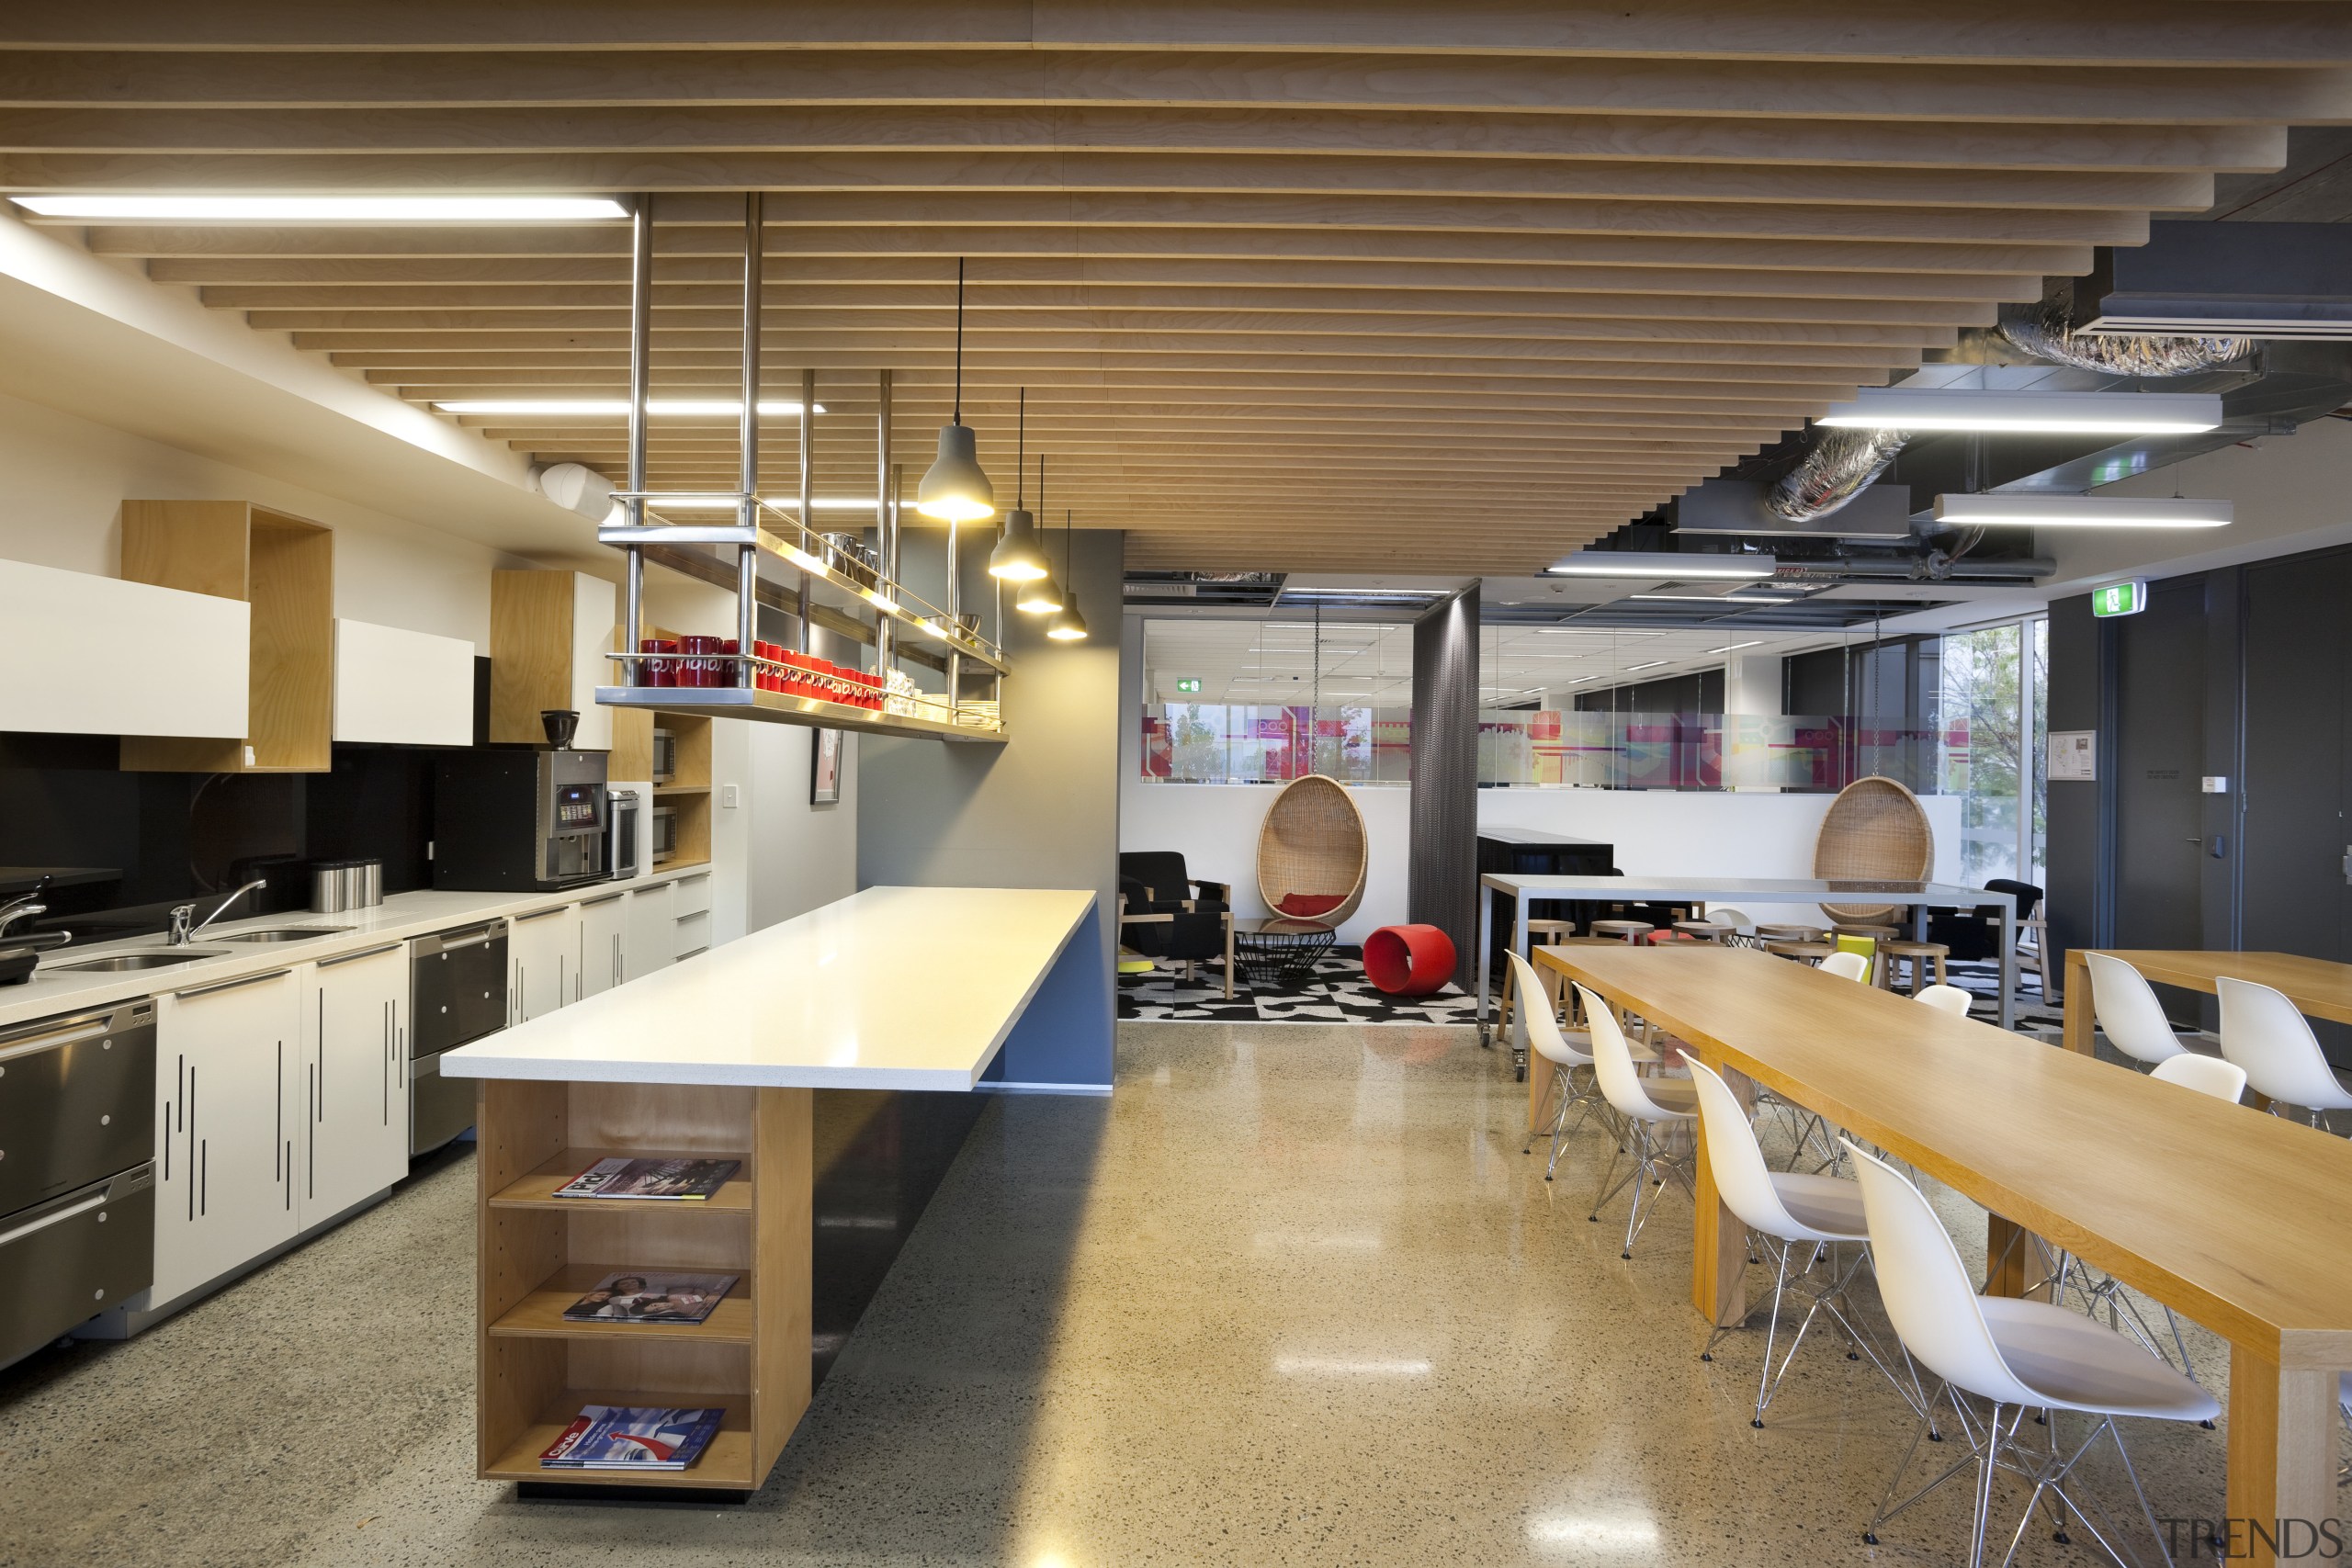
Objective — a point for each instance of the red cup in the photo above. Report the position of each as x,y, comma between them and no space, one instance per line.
699,660
657,672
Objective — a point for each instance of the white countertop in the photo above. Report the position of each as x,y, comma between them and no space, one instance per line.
398,917
894,987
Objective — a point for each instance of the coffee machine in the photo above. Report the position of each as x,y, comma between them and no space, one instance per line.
511,820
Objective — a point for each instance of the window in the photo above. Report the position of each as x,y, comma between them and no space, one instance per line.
1995,717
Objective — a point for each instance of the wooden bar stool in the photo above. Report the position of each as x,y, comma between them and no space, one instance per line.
1810,952
1625,930
1790,933
1920,953
1705,930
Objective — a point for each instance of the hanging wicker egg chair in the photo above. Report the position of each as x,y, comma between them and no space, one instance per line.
1874,832
1312,851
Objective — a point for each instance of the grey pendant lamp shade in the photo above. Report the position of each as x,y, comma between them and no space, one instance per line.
1040,595
1067,624
956,490
1017,557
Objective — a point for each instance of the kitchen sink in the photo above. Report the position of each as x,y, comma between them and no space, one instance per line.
284,934
146,958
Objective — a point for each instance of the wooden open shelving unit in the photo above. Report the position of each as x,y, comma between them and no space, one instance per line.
539,1253
283,566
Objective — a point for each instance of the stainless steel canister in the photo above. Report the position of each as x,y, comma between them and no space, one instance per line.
330,886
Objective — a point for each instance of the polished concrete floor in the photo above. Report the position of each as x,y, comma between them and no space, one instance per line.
1291,1296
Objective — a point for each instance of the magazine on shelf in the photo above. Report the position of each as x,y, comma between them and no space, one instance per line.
687,1180
652,1298
629,1437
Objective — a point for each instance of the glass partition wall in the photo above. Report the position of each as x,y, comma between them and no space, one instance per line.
1976,728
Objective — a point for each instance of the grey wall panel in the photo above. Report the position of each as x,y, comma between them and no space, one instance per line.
1040,811
1441,886
2074,819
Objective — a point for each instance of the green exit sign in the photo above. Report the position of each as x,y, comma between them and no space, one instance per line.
1188,685
2120,599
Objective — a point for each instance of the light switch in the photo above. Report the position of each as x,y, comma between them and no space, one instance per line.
2216,786
726,798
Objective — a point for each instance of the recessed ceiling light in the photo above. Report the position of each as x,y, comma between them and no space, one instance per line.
2118,413
615,408
2028,511
325,209
693,502
1735,646
1663,565
1651,665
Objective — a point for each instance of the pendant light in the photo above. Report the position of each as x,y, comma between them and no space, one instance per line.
1017,557
1041,596
1067,624
956,491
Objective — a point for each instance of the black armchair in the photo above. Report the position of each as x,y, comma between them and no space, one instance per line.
1165,914
1975,934
1166,880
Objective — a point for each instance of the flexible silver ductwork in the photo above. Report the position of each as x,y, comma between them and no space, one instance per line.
2043,332
1841,465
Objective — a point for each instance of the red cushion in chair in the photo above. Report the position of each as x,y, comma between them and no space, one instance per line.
1409,961
1306,905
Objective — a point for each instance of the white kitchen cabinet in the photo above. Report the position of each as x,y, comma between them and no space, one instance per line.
228,1075
604,935
355,1081
653,939
83,655
544,951
691,907
395,687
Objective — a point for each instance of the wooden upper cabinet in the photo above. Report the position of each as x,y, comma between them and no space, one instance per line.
548,634
283,566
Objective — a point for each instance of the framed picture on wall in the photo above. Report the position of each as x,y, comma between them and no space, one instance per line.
825,768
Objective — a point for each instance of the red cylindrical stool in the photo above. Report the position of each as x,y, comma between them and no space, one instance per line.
1409,961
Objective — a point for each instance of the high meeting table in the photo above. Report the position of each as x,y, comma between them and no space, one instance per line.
1919,897
2229,1216
2318,989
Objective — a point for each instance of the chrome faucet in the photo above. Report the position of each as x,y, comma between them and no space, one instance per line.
25,906
183,932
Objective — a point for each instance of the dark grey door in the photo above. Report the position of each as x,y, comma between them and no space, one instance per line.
2295,838
2160,754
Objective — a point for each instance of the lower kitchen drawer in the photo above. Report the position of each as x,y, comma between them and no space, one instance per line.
77,1255
694,933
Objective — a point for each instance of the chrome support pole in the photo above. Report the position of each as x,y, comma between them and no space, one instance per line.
954,619
886,524
747,556
807,493
641,369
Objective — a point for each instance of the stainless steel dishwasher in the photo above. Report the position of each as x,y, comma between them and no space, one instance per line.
457,993
77,1169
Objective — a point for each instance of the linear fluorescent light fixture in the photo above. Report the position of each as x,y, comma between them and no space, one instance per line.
1653,664
2028,414
1735,646
2030,510
1719,598
716,502
615,408
325,209
1663,564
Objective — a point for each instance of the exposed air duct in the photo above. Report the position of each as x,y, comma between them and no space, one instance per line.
1841,464
2043,331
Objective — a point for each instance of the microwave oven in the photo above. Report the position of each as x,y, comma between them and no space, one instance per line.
664,825
665,756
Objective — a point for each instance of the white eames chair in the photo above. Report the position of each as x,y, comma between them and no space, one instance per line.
2017,1356
2207,1074
2262,1033
2126,1010
1545,1038
1647,1106
1945,998
1847,966
1795,1220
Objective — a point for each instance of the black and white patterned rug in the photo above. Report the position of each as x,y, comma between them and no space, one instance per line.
1334,991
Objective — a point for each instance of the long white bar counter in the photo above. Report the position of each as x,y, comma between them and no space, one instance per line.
894,987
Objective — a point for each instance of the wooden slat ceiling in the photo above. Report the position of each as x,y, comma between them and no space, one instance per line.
1380,285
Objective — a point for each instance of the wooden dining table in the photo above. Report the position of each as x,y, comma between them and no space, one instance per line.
2238,1220
2318,987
